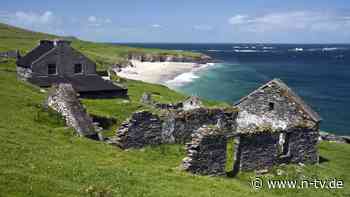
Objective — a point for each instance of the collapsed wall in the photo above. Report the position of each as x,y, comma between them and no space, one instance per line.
63,99
179,125
142,128
206,153
171,126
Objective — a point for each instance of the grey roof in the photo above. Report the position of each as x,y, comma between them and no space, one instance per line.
89,83
291,94
34,54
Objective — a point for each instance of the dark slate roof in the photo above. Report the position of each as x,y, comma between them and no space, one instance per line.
89,83
291,94
33,55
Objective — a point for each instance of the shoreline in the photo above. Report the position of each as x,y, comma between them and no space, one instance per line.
166,73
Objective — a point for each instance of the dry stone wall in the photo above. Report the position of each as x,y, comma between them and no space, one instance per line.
206,153
181,124
256,152
173,126
63,99
303,145
143,128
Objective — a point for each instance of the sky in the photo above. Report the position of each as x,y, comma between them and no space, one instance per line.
185,21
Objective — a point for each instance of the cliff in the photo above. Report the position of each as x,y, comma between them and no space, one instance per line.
150,57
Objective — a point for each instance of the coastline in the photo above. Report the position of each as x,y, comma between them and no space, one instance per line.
166,73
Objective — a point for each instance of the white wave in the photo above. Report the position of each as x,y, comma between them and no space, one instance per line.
332,49
188,76
314,49
214,50
268,47
296,49
245,51
182,79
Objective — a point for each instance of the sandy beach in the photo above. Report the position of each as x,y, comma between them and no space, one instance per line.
160,72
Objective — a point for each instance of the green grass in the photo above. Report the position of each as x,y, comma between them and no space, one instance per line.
41,157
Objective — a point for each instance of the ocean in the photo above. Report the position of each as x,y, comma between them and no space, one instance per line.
319,73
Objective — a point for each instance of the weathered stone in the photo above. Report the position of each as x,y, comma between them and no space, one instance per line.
143,128
63,99
275,126
173,126
206,153
184,123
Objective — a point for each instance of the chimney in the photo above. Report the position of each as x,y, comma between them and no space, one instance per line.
46,43
62,43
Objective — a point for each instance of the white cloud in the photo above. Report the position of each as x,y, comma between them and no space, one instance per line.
238,19
92,19
296,20
156,26
97,22
32,18
203,27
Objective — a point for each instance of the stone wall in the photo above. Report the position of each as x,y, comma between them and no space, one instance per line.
173,126
23,73
63,99
273,102
256,152
206,153
179,125
303,145
142,128
9,54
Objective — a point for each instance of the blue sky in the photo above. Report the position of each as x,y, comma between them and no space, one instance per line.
205,21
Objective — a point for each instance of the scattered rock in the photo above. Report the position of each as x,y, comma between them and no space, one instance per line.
324,136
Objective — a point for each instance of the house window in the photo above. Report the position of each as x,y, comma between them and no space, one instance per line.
78,68
283,144
271,106
51,69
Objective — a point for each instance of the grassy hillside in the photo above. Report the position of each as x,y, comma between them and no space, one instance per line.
12,38
41,157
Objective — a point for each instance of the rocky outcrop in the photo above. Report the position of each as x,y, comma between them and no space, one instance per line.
206,153
63,99
324,136
148,57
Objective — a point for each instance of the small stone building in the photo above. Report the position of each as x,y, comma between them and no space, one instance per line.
54,62
275,126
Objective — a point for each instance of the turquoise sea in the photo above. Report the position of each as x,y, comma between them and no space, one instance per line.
319,73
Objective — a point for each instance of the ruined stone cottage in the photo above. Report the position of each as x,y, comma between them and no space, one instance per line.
54,62
275,126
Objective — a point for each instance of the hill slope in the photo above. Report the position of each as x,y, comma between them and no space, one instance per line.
40,157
